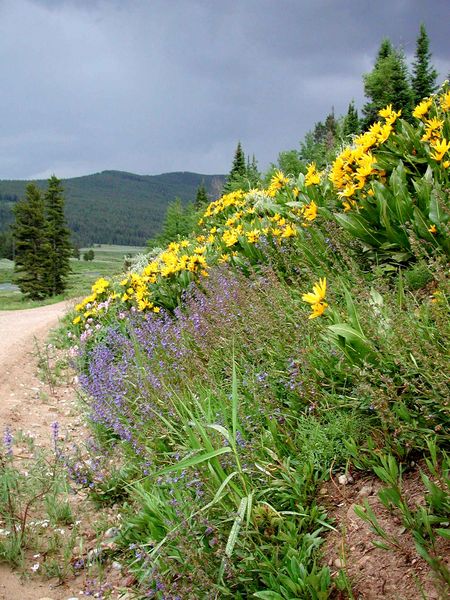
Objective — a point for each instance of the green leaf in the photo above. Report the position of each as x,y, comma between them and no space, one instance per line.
445,533
352,337
358,227
352,313
232,538
268,595
194,460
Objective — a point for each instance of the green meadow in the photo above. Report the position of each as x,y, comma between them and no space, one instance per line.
108,261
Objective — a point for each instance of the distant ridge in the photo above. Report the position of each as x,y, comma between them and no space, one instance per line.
115,207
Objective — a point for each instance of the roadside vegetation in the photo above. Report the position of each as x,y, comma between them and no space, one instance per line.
300,334
295,343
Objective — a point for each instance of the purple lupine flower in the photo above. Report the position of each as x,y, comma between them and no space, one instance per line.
8,441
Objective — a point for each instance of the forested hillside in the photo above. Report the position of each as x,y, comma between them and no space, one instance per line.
113,206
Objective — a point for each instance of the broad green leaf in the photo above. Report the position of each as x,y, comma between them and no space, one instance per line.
358,227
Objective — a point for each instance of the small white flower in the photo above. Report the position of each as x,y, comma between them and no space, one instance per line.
35,567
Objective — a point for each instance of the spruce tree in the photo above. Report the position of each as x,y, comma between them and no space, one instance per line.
201,199
424,75
58,236
31,244
351,121
387,84
238,170
252,172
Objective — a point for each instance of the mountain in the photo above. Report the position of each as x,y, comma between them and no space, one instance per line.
115,207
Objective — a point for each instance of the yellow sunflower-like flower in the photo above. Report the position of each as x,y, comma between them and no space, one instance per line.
445,101
312,176
317,298
440,147
318,294
309,211
317,310
422,109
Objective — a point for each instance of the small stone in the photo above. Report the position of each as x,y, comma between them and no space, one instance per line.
338,563
366,490
110,533
344,479
94,554
116,565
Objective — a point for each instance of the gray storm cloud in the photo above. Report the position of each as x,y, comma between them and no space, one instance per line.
159,86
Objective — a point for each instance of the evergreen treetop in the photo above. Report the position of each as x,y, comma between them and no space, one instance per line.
424,74
387,83
201,198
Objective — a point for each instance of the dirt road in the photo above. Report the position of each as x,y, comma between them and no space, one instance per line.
27,404
24,404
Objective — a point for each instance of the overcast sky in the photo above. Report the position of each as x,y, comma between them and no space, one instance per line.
151,86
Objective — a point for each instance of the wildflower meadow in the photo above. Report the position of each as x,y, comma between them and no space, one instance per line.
300,334
301,331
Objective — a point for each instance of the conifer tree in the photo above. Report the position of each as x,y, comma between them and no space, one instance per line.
58,236
31,244
424,75
238,170
387,84
351,124
201,199
252,172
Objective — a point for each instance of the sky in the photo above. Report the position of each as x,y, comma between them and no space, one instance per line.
153,86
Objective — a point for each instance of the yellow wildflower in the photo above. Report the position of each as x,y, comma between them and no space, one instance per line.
445,101
421,109
312,176
253,236
432,229
318,293
310,211
230,237
440,147
390,115
317,310
278,181
289,231
76,320
432,129
384,133
100,285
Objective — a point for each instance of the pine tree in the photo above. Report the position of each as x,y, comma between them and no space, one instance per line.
252,172
238,170
387,84
58,236
351,121
201,199
31,244
424,75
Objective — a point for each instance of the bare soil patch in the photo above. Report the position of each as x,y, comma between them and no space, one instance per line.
373,572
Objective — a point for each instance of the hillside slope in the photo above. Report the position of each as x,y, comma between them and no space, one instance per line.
115,207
